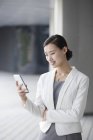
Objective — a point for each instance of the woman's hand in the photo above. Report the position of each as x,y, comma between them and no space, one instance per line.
21,92
44,115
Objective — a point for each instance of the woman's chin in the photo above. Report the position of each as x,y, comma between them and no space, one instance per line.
54,66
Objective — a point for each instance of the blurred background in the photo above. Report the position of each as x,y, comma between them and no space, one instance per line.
24,26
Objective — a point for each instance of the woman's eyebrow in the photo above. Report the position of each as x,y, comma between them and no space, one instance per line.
49,51
52,51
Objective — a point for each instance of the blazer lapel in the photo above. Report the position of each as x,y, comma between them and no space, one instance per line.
68,80
50,88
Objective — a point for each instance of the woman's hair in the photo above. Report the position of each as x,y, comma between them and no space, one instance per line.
60,42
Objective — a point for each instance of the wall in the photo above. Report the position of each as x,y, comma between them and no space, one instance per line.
78,30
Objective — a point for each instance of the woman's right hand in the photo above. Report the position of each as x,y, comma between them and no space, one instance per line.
21,92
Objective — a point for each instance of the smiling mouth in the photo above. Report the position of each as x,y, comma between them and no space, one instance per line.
52,63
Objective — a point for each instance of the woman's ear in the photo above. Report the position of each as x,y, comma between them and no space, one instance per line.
65,49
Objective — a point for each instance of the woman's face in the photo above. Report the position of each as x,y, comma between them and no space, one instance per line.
54,55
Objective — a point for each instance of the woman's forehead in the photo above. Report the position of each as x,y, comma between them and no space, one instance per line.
50,47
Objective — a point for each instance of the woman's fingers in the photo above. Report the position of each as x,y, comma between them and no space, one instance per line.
20,88
16,83
21,91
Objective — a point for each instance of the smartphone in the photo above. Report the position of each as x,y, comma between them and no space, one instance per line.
20,80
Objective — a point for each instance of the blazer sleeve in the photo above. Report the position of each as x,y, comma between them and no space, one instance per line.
38,107
76,112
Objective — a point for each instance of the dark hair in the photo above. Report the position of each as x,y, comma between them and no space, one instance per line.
60,42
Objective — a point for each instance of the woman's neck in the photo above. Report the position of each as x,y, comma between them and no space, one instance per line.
62,72
65,69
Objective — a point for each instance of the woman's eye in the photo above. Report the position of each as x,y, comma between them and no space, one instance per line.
52,53
46,55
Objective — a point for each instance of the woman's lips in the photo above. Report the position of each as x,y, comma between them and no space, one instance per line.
52,63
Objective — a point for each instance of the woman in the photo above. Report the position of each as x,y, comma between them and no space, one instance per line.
61,94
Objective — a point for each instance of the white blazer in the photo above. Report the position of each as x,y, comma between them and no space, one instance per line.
70,105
